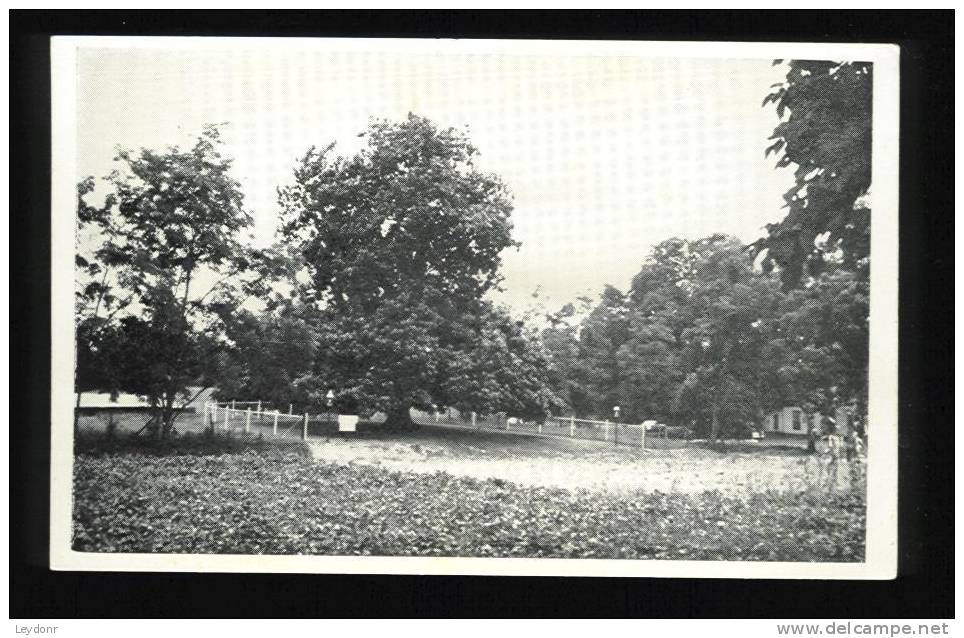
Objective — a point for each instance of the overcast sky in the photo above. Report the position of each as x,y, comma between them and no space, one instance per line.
606,156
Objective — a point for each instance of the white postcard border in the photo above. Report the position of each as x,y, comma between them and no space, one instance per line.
881,539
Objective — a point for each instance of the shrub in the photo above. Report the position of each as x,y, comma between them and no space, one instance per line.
206,443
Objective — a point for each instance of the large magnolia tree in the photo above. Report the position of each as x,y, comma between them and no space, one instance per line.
402,243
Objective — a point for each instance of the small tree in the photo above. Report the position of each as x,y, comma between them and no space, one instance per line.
271,356
169,228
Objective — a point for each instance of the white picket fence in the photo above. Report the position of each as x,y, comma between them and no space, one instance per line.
633,434
590,429
252,419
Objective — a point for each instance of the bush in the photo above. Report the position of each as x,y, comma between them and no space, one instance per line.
256,503
209,442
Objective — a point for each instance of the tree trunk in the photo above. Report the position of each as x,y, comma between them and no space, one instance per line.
399,418
715,425
77,414
169,413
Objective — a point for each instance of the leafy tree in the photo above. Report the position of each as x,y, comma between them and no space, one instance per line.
565,367
99,297
660,312
604,331
402,241
826,359
505,370
729,349
696,340
825,129
169,227
272,357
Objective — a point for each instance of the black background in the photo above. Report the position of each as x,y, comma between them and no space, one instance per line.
925,586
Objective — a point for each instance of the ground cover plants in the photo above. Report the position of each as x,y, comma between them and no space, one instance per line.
277,501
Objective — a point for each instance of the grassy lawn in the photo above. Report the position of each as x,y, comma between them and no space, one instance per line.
734,469
278,501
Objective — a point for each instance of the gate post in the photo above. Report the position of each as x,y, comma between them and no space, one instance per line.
247,421
275,430
304,428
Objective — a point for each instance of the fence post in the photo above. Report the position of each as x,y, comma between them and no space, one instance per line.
232,404
473,418
540,428
291,408
572,426
247,421
642,437
227,415
304,429
259,410
275,430
606,431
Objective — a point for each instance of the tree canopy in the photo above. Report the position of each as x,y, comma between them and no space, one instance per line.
165,248
705,339
402,241
826,131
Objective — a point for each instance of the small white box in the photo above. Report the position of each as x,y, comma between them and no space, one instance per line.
347,422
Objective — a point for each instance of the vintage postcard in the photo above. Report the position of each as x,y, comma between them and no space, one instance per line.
474,307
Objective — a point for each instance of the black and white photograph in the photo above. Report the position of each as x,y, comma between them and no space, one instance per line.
386,306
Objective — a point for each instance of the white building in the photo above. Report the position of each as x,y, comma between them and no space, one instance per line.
793,420
124,401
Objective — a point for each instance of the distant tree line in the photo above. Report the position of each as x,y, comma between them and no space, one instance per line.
704,339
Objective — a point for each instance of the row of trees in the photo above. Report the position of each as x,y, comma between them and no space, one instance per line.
376,290
712,333
379,286
704,338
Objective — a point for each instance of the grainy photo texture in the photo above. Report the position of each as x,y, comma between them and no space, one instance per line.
360,303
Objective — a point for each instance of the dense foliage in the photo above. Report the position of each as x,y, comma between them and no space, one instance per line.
826,131
273,357
401,242
706,340
164,247
275,504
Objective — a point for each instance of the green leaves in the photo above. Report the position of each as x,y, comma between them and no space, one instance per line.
268,503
